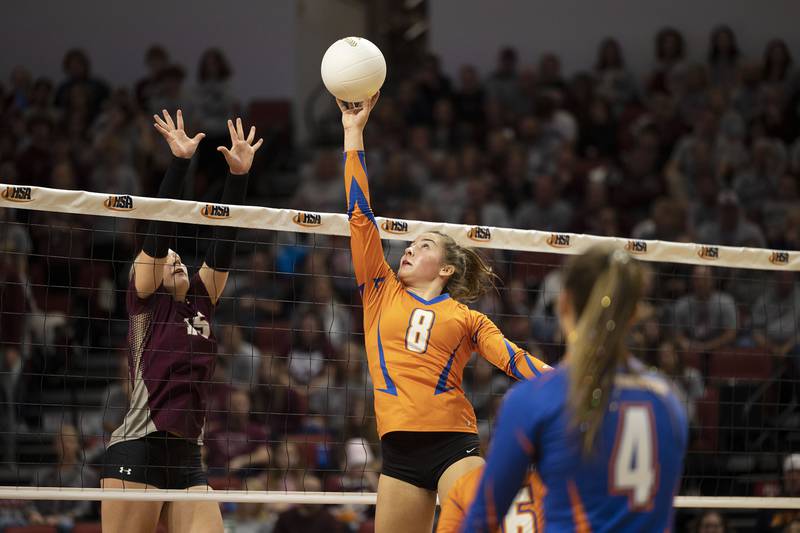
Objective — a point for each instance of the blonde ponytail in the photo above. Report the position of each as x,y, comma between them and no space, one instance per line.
604,309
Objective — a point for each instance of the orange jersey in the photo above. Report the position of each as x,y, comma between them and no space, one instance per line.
417,349
524,515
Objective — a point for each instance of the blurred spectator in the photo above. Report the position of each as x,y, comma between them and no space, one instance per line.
337,318
35,162
758,182
730,228
777,65
703,205
781,521
238,444
691,87
667,222
282,407
692,157
747,93
776,212
213,104
253,517
19,92
288,469
546,212
41,102
169,93
68,472
321,188
156,59
711,522
469,99
360,475
776,323
614,82
308,518
687,381
257,298
113,174
549,73
723,57
242,359
78,73
503,85
669,53
310,353
705,319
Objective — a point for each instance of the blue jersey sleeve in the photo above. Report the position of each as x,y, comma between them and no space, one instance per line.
509,457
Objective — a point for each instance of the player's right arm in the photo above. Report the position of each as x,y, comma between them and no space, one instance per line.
458,500
365,240
148,267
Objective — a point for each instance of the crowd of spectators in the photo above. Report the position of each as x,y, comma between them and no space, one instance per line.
704,151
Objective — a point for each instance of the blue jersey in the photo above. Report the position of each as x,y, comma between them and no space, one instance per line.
627,484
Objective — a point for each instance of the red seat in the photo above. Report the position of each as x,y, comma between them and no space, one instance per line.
745,364
31,529
708,418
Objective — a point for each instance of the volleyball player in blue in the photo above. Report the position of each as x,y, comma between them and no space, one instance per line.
606,436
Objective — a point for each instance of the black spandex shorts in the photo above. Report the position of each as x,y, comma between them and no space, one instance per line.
421,457
159,459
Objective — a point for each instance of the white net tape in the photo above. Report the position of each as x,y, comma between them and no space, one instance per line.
265,218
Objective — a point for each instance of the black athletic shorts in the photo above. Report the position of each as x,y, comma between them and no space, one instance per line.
159,459
421,457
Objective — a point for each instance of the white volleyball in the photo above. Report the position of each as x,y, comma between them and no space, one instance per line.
353,69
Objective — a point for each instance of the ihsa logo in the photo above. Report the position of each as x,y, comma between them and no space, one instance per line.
307,219
708,252
17,194
119,203
215,211
395,226
558,240
779,258
480,233
636,247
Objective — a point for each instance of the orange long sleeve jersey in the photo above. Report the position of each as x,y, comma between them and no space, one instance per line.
524,515
417,349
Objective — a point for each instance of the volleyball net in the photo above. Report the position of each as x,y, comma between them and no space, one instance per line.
290,414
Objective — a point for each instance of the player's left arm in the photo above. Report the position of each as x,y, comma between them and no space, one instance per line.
510,455
219,257
490,342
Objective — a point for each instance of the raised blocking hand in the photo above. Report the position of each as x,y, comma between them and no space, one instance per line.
242,150
180,144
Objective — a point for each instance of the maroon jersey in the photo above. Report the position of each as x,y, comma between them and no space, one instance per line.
171,359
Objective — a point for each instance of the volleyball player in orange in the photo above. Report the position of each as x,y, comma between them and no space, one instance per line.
520,518
419,336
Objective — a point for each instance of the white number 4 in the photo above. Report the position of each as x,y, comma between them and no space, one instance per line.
634,463
419,330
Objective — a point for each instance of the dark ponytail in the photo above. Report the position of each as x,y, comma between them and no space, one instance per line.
472,276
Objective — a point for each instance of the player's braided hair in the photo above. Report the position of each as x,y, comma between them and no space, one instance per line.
604,287
472,276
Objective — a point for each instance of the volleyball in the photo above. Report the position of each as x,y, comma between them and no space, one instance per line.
353,69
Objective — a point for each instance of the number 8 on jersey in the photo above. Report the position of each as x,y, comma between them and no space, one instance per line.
418,333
